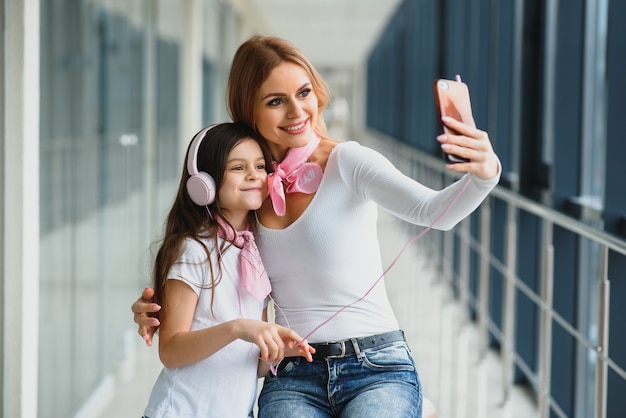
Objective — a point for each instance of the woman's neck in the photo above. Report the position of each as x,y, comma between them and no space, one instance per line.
278,152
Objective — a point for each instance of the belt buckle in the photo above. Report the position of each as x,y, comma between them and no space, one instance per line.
342,344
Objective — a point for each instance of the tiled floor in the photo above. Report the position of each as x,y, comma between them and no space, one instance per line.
458,381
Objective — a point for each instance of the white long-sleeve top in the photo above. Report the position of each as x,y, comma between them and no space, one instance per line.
329,257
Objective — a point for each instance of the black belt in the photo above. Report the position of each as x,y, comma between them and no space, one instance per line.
344,348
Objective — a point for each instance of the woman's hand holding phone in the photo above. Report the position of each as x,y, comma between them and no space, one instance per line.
466,148
453,101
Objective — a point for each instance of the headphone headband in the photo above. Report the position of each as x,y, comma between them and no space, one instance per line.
200,185
192,158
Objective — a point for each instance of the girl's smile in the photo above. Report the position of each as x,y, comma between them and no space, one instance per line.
244,185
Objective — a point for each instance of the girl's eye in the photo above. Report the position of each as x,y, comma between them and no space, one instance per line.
260,167
237,168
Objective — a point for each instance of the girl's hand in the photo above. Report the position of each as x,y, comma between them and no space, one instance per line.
273,340
470,143
142,307
302,349
294,346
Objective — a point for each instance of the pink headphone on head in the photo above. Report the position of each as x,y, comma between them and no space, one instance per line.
200,186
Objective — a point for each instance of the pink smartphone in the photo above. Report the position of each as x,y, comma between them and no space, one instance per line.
453,100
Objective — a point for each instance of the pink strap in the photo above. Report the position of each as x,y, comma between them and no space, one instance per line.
294,172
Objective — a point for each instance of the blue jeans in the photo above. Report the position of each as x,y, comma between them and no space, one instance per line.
377,382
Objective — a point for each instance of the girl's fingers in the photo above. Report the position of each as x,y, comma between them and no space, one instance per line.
264,351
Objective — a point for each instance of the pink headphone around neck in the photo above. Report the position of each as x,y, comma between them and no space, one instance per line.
200,186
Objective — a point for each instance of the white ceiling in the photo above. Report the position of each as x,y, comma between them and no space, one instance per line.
331,33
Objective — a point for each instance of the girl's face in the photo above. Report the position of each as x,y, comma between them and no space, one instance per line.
244,185
286,111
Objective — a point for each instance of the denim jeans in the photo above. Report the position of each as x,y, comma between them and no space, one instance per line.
378,382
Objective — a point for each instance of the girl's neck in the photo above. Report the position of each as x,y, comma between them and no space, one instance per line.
238,221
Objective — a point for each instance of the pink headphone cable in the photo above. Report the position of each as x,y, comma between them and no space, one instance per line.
395,260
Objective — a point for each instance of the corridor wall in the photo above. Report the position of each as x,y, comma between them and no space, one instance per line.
546,83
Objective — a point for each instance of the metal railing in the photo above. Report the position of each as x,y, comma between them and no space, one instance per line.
431,171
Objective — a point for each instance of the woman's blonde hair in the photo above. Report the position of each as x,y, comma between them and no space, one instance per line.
252,65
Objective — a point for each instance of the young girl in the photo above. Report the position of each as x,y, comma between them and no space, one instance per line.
211,284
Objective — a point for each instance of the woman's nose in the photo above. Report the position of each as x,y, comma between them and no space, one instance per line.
294,110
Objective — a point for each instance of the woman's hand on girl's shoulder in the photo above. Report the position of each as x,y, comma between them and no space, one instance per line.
142,309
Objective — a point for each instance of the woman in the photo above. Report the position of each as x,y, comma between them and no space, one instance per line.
317,237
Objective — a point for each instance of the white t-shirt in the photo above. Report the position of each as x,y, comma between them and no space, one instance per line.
329,257
224,384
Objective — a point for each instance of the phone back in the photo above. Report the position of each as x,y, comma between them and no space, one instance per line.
452,99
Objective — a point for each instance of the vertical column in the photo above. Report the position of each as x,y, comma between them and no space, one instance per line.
601,387
2,198
484,279
149,121
614,198
545,335
510,303
190,73
465,243
21,209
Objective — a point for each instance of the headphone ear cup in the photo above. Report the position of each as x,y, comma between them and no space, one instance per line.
201,188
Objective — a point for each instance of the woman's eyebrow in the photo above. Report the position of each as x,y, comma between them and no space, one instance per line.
284,94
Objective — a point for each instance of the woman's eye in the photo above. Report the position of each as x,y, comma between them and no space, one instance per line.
305,92
275,102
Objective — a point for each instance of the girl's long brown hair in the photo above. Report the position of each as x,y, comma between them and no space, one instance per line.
188,220
252,65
